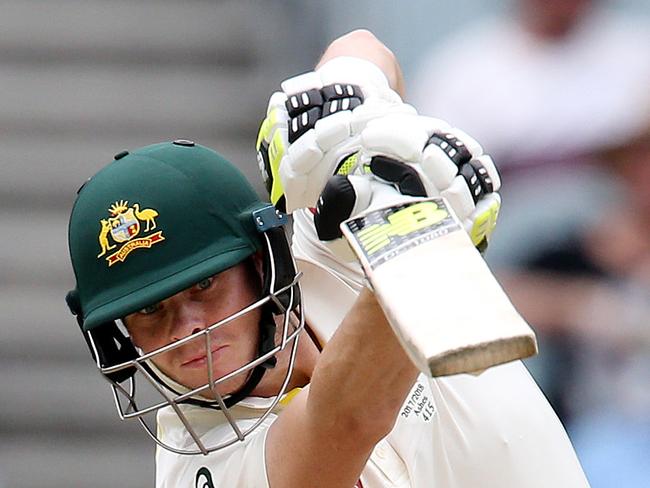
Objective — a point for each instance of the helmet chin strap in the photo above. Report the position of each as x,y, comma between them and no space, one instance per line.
266,344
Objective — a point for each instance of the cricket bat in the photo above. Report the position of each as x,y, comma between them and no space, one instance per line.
442,301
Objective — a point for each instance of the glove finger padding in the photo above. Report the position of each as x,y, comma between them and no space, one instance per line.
422,156
313,137
404,176
342,198
313,126
320,149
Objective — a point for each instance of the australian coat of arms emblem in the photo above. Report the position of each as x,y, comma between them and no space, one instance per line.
120,231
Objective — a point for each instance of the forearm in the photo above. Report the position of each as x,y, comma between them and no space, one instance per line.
360,381
363,374
363,44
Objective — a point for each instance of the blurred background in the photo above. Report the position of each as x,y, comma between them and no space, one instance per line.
557,90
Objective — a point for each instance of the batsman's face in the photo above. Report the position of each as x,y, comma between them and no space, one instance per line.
211,300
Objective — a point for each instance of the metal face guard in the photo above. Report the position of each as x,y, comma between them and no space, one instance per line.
174,395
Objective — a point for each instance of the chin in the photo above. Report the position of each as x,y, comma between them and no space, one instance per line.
224,389
228,387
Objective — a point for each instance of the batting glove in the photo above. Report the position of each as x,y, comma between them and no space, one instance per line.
415,156
312,128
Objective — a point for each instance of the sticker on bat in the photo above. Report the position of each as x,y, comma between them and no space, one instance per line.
385,233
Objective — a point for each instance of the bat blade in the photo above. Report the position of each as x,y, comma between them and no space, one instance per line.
437,292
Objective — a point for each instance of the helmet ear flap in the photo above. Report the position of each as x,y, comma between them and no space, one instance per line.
279,267
108,345
280,270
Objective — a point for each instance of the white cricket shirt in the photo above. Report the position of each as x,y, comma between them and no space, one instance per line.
462,431
495,430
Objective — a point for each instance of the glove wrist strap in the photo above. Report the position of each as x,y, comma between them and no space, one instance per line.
348,69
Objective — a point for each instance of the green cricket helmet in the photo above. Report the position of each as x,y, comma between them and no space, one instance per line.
154,222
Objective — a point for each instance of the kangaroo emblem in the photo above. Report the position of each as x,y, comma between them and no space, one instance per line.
103,238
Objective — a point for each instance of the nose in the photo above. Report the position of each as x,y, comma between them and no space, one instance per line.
188,319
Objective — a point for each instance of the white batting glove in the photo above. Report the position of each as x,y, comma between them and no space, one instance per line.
312,128
423,156
415,156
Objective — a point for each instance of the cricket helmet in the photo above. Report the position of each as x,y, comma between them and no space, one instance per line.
152,223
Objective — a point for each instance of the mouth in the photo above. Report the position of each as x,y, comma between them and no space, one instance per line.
201,360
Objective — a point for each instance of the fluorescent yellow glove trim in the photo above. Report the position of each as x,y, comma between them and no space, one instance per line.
484,224
267,126
276,152
348,165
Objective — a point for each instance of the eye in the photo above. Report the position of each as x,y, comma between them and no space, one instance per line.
205,283
149,309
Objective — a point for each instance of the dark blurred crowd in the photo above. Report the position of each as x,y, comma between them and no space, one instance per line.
558,91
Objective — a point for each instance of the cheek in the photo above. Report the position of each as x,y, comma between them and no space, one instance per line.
245,334
145,338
